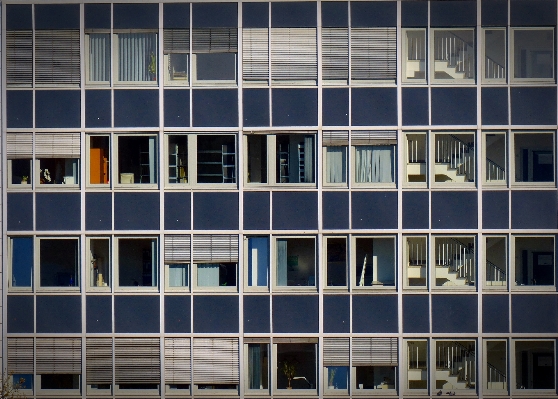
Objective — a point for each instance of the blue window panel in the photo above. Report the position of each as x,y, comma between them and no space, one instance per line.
533,105
20,211
335,14
494,12
453,13
256,210
98,316
534,209
454,314
335,106
177,108
255,107
176,15
337,314
494,105
97,108
19,108
22,262
294,107
374,107
177,211
136,16
414,105
375,314
533,12
365,14
255,15
97,16
414,13
58,211
534,314
454,210
495,210
177,314
136,211
20,313
57,108
58,313
214,15
295,313
98,211
295,210
136,108
495,311
215,108
293,14
136,313
56,16
374,210
454,106
415,209
256,314
335,209
416,314
19,17
215,313
215,211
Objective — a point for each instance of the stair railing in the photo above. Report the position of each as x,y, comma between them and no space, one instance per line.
458,359
494,272
494,374
361,281
456,255
458,154
493,70
456,52
415,151
416,47
494,172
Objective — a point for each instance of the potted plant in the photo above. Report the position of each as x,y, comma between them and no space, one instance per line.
152,67
24,179
289,369
332,372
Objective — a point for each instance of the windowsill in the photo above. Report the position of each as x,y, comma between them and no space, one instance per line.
496,392
58,392
307,82
136,186
215,392
177,289
224,289
136,84
533,392
177,83
454,288
375,186
18,187
495,184
448,82
413,81
135,392
451,186
98,392
98,186
494,81
527,288
250,288
213,83
531,81
533,184
295,288
488,287
297,392
136,289
385,392
57,186
378,287
20,289
68,290
93,84
340,82
336,288
373,82
99,289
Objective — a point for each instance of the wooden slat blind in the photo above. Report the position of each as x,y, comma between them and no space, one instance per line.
373,53
57,55
294,54
335,53
216,361
176,40
336,351
177,249
374,352
255,54
373,137
57,145
212,248
20,355
98,355
177,361
215,40
58,356
137,361
19,57
19,145
335,138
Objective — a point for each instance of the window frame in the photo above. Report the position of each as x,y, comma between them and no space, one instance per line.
326,286
485,368
355,280
212,82
37,267
32,277
57,392
87,58
409,159
512,65
262,391
434,264
485,58
406,361
276,366
527,392
371,184
433,363
51,186
405,52
117,174
108,160
514,164
116,59
407,254
274,264
433,161
487,284
20,186
432,57
485,164
154,268
513,265
212,288
247,286
89,262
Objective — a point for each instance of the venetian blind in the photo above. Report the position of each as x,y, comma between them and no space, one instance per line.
20,355
58,356
98,355
374,352
255,54
214,248
215,40
336,351
373,53
177,249
19,57
57,145
176,41
137,361
19,145
216,361
335,53
294,54
177,361
373,137
57,57
335,138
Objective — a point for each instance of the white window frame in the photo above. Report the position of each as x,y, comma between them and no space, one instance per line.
117,174
166,63
486,68
11,288
407,358
20,186
87,58
434,262
494,169
183,288
357,142
37,269
471,164
64,184
89,264
154,268
188,177
514,162
116,59
88,148
247,286
411,154
347,264
193,161
512,266
216,288
486,373
203,82
433,366
56,392
274,266
345,149
513,79
277,367
432,58
404,56
262,391
384,387
415,252
355,279
528,393
488,284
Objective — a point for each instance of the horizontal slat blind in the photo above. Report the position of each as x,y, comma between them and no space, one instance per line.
292,340
58,356
57,57
19,57
255,54
335,53
373,137
19,145
176,40
216,361
335,138
20,355
373,53
57,145
98,355
212,248
215,40
294,54
177,249
374,352
177,361
336,351
137,360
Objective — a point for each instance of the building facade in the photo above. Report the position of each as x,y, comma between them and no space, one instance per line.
261,199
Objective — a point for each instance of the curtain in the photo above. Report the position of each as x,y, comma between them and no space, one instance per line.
254,366
336,164
308,159
137,55
374,164
208,275
282,262
178,275
99,57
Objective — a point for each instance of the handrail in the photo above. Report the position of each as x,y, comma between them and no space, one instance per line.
498,70
492,367
497,268
499,171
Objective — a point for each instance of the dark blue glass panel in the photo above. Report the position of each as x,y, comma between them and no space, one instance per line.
495,311
534,314
177,314
335,14
255,15
136,108
98,211
20,313
295,210
415,106
453,13
494,105
533,12
366,14
374,107
57,108
454,314
214,108
58,314
97,16
375,314
256,314
416,314
293,14
335,107
215,211
414,13
415,209
58,211
533,105
136,16
495,210
136,314
177,108
294,107
97,108
454,210
56,16
295,313
534,209
256,210
214,15
335,209
136,211
20,211
22,262
177,211
176,15
215,313
18,17
374,210
98,314
337,314
494,12
19,108
454,106
255,107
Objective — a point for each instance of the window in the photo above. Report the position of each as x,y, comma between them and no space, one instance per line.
374,260
494,55
19,58
214,55
258,261
456,366
416,262
21,256
97,56
19,151
336,365
534,367
453,55
534,261
98,354
256,352
137,262
216,366
373,54
495,157
178,159
216,159
454,158
496,366
99,159
215,262
58,156
57,57
177,262
137,365
454,259
417,155
335,146
336,261
59,264
99,263
533,157
533,54
374,363
295,262
177,366
374,156
58,365
296,364
137,159
136,58
20,363
417,365
496,250
414,55
176,48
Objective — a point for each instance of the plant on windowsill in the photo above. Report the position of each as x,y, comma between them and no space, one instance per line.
24,179
289,369
331,378
152,67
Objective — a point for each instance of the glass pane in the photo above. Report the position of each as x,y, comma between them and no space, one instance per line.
417,364
177,67
455,261
336,262
99,57
178,275
258,261
495,54
416,158
454,54
337,377
216,275
496,365
495,145
295,158
415,53
417,261
216,66
99,259
375,262
375,377
99,156
533,54
59,171
257,159
258,360
296,366
296,259
534,261
22,262
216,159
336,164
137,262
496,261
534,157
178,159
137,57
455,366
534,365
21,171
137,159
59,262
454,158
374,164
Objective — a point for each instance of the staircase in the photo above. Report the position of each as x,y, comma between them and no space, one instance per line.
455,262
454,57
454,159
455,366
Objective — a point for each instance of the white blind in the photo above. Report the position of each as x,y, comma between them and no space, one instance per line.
177,360
176,40
19,57
137,361
213,248
216,361
58,356
374,352
335,138
177,249
373,137
335,53
255,54
373,53
57,57
20,355
294,54
336,351
215,40
19,145
57,145
98,355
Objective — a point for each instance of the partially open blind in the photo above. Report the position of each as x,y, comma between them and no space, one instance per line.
176,40
373,137
215,40
98,355
294,54
373,53
57,145
177,249
58,356
19,57
177,361
216,361
212,248
374,352
336,351
20,355
335,138
255,54
57,55
137,361
335,53
19,145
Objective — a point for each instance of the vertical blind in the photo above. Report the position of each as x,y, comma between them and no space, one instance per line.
20,355
374,352
19,57
294,54
99,57
58,356
216,361
214,248
137,360
373,53
335,53
57,145
177,361
57,55
98,355
336,351
137,54
255,54
19,145
177,249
